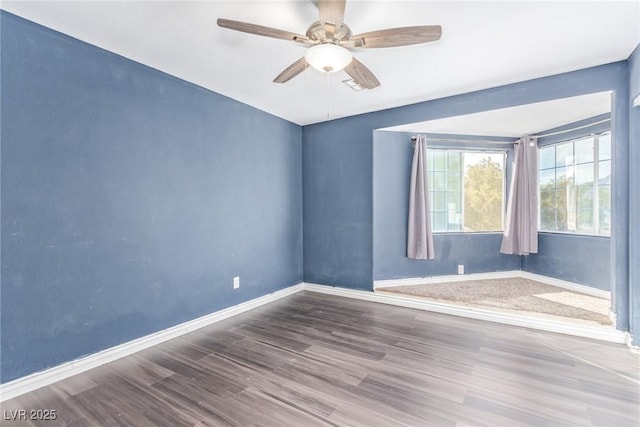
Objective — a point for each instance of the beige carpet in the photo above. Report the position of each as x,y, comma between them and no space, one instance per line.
514,294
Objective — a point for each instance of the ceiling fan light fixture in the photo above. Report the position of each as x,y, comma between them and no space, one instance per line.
328,57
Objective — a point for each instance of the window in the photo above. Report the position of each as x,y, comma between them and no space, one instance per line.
575,186
467,190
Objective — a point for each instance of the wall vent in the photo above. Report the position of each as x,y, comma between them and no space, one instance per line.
353,85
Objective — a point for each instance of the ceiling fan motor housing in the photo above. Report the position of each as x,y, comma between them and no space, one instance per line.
320,33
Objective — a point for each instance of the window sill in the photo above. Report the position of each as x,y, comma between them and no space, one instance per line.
449,233
570,233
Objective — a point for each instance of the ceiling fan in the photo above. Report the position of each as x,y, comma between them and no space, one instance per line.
329,43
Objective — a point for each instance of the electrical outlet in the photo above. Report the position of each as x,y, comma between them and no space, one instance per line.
460,268
236,282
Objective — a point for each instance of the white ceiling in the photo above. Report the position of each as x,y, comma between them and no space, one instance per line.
528,119
484,44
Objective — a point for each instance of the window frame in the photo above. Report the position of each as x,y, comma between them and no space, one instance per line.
506,155
596,177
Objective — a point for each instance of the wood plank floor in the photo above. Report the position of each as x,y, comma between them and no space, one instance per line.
313,359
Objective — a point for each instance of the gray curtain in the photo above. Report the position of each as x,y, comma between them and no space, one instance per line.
521,228
419,238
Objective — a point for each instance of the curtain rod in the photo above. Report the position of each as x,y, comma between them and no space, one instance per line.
571,130
414,138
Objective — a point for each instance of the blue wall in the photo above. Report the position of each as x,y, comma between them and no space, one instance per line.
634,193
338,174
572,257
336,165
479,252
130,199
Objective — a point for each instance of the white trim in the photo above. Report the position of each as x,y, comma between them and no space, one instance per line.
629,342
576,287
378,284
592,332
49,376
587,290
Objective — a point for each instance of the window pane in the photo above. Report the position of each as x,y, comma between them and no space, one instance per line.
561,209
439,221
547,157
439,160
584,211
454,226
483,191
498,158
547,219
439,179
584,223
572,196
564,154
604,146
548,199
454,210
584,174
604,211
438,200
584,150
547,178
454,161
453,181
561,220
564,176
585,197
453,201
604,172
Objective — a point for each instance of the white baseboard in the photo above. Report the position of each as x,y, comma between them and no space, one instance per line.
40,379
575,287
378,284
585,331
630,343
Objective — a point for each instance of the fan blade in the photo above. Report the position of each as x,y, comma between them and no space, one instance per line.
394,37
331,11
260,30
361,74
291,71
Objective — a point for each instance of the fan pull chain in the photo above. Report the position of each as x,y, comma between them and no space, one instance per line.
306,77
328,97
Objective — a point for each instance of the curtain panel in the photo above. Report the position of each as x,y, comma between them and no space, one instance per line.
419,237
521,228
